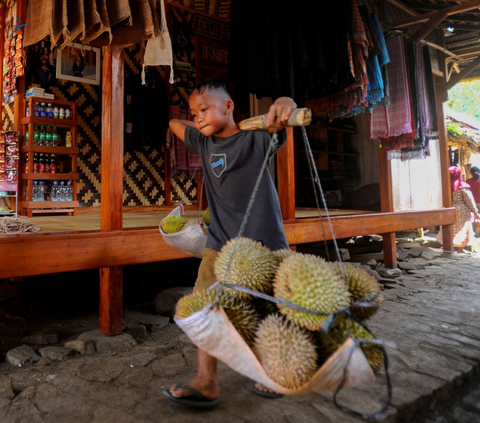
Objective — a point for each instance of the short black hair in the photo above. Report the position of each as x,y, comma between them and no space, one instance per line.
475,172
215,84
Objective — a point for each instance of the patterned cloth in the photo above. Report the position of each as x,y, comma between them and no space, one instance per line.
462,200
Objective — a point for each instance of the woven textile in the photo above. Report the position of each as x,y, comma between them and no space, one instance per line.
76,22
396,118
45,18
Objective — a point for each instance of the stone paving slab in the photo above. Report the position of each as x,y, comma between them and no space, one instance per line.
432,315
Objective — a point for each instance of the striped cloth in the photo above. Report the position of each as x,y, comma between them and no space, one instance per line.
396,118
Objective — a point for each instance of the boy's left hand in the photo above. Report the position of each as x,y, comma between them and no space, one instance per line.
279,113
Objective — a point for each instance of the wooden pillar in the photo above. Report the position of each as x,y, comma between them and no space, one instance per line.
440,97
111,278
386,198
286,177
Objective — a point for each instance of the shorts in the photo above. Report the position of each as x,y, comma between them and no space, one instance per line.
206,274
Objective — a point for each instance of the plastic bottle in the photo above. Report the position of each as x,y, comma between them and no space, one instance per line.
54,137
55,112
69,191
35,191
41,164
27,111
36,135
46,164
68,113
37,109
35,163
26,138
54,191
25,169
43,110
43,136
49,111
48,136
62,192
53,164
68,139
61,113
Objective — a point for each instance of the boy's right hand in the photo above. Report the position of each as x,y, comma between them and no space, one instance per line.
279,113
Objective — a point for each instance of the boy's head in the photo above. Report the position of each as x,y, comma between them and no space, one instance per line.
211,106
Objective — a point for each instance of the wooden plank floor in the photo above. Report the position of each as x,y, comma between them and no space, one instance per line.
91,221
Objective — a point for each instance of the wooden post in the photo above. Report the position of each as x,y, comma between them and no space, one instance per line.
111,278
440,97
386,198
286,177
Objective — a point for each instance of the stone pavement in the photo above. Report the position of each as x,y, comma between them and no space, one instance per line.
431,313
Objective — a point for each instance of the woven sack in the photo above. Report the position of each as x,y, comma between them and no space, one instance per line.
159,49
212,331
45,18
190,240
96,20
76,22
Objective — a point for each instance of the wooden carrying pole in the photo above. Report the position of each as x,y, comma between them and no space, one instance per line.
111,278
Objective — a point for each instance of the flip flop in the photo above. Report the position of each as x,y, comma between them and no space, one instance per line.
266,394
194,400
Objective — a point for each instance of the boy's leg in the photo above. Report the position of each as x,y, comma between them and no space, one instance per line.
206,381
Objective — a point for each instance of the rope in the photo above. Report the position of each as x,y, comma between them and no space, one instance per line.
16,225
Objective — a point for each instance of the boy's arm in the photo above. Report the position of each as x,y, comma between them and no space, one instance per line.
177,126
279,113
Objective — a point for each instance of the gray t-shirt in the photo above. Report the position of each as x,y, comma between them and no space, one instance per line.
231,168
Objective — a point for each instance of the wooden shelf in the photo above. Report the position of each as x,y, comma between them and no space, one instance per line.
49,204
48,149
50,176
63,123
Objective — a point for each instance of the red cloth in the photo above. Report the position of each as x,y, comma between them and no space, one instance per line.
475,188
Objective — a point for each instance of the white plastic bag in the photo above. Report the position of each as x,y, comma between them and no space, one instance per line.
212,331
190,240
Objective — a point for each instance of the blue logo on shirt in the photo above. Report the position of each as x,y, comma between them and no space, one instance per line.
218,164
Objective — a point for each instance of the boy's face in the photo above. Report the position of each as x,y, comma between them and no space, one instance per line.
211,111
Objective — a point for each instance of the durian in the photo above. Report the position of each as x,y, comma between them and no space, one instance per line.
192,303
286,352
206,217
330,342
264,307
172,224
252,266
360,285
243,316
312,283
282,254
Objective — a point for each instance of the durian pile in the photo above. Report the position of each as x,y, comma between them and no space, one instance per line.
173,224
289,343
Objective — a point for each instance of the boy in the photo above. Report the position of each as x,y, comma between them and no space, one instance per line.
231,162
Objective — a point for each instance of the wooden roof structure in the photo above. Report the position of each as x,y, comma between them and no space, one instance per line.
459,20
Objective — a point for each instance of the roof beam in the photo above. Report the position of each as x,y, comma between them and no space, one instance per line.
426,17
454,80
404,7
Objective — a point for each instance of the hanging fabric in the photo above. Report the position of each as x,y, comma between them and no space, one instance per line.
46,18
75,22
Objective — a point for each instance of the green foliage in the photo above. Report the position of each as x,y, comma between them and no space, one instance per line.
465,98
455,129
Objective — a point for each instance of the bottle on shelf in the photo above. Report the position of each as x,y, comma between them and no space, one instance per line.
69,191
36,135
54,136
43,136
62,192
55,112
68,139
26,138
61,113
46,163
49,111
35,163
35,191
41,191
37,109
43,110
53,164
41,164
54,191
68,113
48,136
27,110
25,169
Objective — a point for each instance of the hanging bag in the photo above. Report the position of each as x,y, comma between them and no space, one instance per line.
191,240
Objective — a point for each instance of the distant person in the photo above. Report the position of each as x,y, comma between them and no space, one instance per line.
474,183
465,211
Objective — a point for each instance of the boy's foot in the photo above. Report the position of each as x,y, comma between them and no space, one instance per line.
195,399
208,389
264,392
